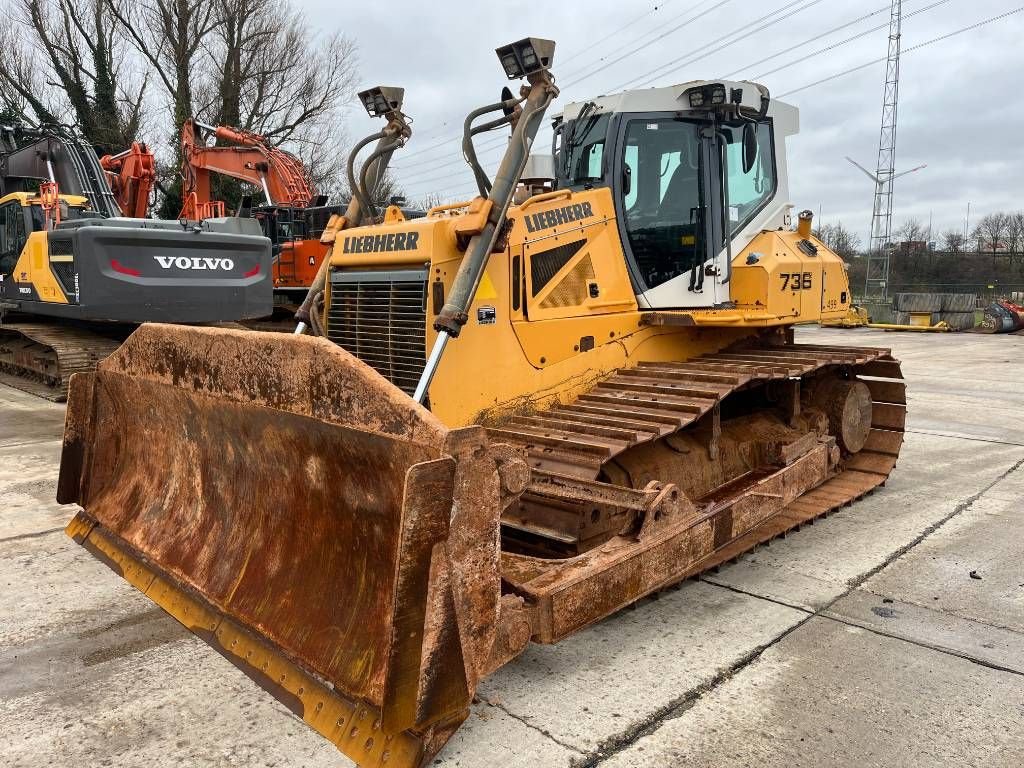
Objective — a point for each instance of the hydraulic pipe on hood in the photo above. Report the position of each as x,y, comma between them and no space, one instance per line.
454,313
394,135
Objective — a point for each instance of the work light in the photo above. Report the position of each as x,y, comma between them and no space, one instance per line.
381,100
526,57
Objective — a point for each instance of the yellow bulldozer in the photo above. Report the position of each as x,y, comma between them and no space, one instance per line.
515,416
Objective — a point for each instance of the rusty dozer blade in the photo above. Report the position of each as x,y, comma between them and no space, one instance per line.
304,517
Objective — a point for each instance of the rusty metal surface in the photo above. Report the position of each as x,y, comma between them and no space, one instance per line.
358,559
276,495
301,375
814,476
644,403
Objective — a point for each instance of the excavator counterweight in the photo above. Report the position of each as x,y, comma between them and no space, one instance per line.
513,416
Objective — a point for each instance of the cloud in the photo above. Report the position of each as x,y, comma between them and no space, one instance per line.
957,110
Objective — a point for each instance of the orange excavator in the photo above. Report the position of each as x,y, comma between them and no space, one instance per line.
131,175
293,216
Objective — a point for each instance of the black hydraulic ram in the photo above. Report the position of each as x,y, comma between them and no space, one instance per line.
530,58
380,101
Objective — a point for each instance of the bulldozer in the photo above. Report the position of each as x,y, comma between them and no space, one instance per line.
525,412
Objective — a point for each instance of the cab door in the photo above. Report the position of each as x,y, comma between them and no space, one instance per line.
12,236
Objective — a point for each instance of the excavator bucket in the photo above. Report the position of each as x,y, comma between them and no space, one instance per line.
302,516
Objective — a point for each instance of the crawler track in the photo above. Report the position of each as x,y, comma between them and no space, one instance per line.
653,400
40,358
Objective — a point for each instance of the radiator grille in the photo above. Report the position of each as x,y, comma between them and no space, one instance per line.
62,264
380,317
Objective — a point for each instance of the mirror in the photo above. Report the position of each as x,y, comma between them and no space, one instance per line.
749,146
506,94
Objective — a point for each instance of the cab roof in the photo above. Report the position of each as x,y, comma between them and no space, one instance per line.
672,98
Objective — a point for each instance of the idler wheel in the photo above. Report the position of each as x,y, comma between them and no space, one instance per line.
847,404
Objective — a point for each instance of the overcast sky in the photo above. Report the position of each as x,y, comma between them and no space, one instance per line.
959,111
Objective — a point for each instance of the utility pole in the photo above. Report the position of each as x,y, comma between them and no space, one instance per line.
877,280
967,224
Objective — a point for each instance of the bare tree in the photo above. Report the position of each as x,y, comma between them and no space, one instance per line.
63,58
991,232
1015,233
249,64
952,241
266,75
839,239
912,231
168,35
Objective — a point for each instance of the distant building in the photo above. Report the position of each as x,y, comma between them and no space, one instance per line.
907,247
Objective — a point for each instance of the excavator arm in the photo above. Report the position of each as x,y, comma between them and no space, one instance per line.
131,175
245,156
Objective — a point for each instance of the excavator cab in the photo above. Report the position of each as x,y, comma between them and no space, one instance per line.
513,417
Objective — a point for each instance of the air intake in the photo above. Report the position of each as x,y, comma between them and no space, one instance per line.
380,317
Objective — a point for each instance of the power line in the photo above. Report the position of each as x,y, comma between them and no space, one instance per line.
572,72
850,39
497,144
618,31
674,66
905,51
802,43
485,146
661,36
587,48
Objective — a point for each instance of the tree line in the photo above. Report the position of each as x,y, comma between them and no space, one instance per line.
128,70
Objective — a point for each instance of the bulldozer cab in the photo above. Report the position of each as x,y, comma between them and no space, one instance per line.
694,171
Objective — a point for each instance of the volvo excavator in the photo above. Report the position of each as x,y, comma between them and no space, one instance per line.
77,276
525,412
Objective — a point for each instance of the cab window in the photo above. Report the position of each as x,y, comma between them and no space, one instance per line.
12,235
582,151
663,206
748,191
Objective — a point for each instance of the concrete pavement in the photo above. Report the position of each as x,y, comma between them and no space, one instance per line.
860,640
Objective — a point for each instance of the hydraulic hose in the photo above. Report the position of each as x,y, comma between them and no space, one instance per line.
372,172
453,314
483,184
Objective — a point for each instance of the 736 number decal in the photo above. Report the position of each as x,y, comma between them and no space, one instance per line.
796,281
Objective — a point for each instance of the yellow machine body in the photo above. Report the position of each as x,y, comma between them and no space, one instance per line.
526,347
33,268
371,519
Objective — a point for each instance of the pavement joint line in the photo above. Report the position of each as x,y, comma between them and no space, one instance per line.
678,707
963,506
30,442
741,591
921,644
531,726
35,535
955,436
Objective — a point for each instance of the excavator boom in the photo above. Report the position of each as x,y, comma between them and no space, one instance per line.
131,174
247,157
